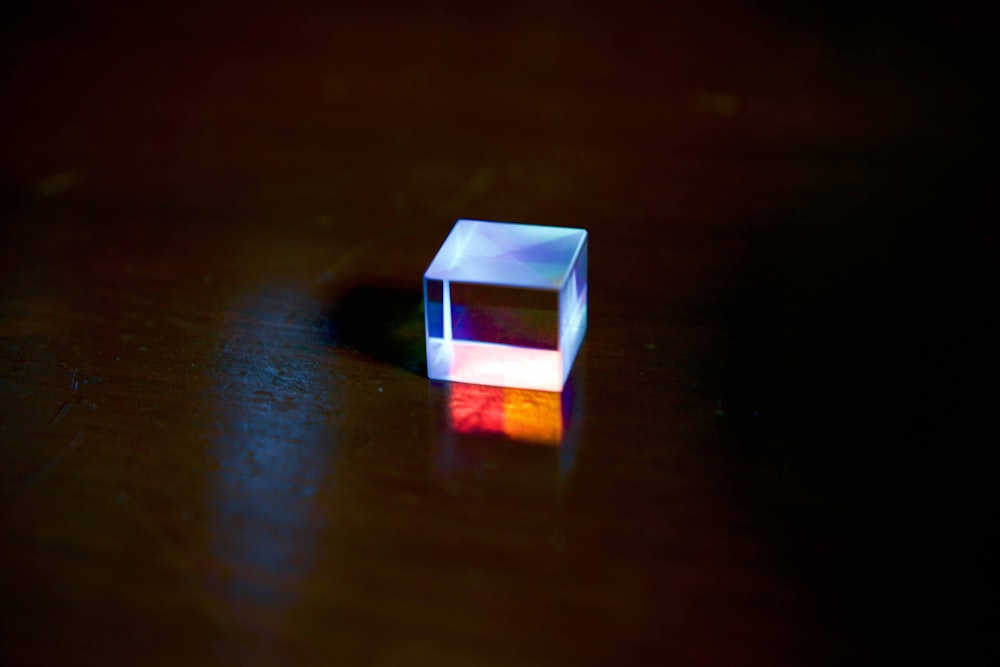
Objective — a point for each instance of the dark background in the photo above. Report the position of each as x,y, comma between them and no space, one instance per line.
217,442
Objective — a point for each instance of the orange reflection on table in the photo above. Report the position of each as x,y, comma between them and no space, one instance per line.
518,414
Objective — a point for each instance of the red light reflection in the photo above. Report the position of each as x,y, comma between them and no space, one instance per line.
518,414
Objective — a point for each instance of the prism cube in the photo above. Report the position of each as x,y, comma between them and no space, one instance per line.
506,304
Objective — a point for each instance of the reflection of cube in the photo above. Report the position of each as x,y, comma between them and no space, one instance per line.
506,304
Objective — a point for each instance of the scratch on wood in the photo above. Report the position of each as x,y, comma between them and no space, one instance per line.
191,569
478,185
74,382
181,323
64,408
34,476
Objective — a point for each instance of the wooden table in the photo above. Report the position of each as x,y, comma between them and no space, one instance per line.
217,441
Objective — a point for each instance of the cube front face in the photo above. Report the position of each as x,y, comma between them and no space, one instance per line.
506,304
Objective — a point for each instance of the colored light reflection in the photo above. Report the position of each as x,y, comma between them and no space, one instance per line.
518,414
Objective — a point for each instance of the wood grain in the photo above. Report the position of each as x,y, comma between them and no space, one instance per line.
217,441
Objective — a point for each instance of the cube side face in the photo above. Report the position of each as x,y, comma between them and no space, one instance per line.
503,307
573,311
510,340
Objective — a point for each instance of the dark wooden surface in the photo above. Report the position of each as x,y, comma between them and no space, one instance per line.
217,441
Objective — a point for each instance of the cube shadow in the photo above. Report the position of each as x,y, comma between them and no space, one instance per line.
383,321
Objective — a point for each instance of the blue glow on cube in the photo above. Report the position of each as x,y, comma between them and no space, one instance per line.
506,304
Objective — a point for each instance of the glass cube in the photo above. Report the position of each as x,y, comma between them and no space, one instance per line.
506,304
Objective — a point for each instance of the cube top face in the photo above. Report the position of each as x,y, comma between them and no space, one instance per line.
531,256
506,304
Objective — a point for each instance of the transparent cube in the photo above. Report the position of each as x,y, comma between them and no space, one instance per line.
506,304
